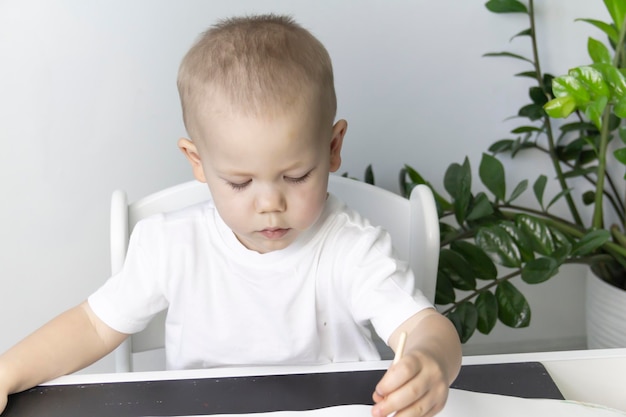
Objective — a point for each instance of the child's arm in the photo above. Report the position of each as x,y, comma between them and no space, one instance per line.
418,384
71,341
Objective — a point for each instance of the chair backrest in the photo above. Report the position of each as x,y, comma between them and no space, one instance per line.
412,223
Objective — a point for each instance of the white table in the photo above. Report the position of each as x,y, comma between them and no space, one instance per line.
596,376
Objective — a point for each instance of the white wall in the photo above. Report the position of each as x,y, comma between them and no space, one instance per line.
88,104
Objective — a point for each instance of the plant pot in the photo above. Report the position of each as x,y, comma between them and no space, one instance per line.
606,314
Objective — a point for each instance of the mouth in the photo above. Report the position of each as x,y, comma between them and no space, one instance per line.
274,232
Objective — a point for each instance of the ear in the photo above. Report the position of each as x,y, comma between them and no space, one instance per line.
339,131
191,152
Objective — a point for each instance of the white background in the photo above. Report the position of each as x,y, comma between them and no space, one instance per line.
88,104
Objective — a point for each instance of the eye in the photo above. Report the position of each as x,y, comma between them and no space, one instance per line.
298,180
238,186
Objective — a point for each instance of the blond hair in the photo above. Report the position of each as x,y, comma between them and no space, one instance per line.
259,64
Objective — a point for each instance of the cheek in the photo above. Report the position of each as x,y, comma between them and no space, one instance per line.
229,208
310,204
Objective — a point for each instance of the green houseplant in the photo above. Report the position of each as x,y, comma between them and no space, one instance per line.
487,238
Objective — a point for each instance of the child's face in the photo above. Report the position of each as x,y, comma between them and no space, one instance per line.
268,177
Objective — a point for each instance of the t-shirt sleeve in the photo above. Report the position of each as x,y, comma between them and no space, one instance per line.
128,300
383,288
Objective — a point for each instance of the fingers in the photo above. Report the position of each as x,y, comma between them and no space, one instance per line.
410,388
397,375
427,405
397,389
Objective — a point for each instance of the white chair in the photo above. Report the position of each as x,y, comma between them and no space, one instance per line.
413,224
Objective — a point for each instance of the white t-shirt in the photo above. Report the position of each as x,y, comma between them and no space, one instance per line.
309,303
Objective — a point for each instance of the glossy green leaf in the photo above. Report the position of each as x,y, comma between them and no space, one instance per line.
539,270
518,190
506,6
563,246
568,85
525,32
614,78
620,155
595,109
415,176
581,126
513,309
482,266
537,95
538,233
598,52
528,74
523,242
589,197
539,188
532,111
499,246
610,30
547,83
592,79
479,208
519,145
451,179
576,172
464,318
503,145
571,151
458,270
560,195
508,55
407,183
614,121
617,10
560,107
444,293
578,143
590,242
620,107
491,173
487,309
526,129
369,175
458,183
442,203
446,231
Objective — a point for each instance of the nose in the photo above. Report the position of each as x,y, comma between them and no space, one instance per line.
270,199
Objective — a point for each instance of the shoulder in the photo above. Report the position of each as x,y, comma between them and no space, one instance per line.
178,223
347,228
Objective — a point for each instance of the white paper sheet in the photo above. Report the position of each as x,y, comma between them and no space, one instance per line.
468,404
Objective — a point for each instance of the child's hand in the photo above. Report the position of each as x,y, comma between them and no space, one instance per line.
415,386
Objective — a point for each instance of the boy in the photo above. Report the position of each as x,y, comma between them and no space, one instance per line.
272,261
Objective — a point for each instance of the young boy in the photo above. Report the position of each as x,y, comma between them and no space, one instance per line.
272,261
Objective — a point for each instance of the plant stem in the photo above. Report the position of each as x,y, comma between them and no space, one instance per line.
485,288
619,252
581,261
598,209
598,212
616,203
543,214
618,61
549,132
